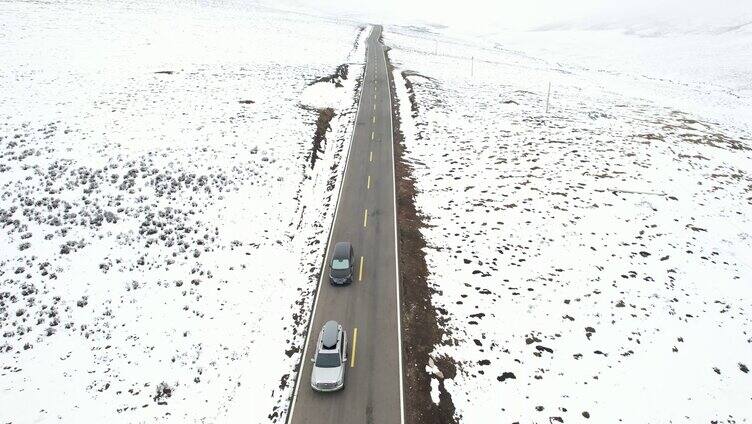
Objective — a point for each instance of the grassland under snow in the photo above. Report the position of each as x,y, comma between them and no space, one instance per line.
592,263
162,222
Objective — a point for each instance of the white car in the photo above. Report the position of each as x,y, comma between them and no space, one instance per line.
330,361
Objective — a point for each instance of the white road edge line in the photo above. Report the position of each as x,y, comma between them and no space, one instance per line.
396,239
326,254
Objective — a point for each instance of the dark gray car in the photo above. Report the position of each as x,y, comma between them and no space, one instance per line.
330,361
342,265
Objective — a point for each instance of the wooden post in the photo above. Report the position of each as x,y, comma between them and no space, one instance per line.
548,96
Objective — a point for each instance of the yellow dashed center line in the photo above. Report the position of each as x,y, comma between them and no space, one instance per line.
365,217
371,135
374,119
355,343
370,157
360,272
369,183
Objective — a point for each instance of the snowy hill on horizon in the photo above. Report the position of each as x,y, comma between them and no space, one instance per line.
653,26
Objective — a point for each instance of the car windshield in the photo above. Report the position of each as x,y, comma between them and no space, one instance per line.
340,264
327,360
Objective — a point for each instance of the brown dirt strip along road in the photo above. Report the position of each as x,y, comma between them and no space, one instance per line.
420,329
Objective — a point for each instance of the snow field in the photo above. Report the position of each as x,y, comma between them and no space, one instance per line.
162,221
590,264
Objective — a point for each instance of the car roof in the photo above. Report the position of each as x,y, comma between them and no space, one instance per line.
330,334
342,249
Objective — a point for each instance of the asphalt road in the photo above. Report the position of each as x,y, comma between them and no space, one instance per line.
366,217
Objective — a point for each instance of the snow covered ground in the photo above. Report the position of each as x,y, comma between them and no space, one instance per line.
592,263
161,204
